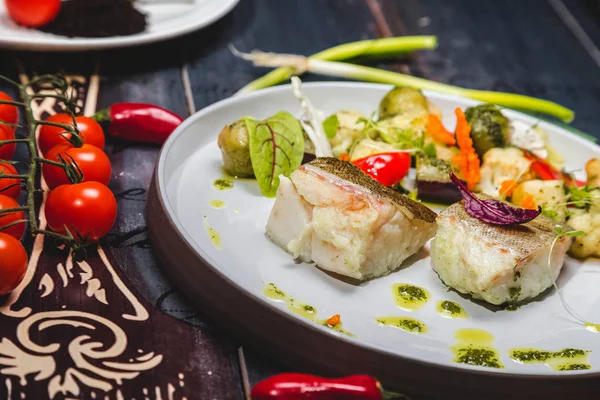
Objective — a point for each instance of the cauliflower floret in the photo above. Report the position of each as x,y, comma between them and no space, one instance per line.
499,165
587,245
348,130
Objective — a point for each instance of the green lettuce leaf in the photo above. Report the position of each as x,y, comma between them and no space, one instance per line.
330,126
276,148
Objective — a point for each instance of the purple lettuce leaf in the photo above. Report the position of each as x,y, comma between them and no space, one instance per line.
493,211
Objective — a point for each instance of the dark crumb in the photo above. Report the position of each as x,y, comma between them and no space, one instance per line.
97,18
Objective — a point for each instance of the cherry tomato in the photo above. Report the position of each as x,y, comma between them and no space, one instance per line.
51,136
7,150
386,168
87,209
92,161
13,263
8,113
10,187
17,230
33,13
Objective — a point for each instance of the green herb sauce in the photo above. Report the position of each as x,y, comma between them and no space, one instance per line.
516,276
410,297
307,311
404,323
514,292
474,347
450,309
223,184
213,235
592,327
217,204
563,360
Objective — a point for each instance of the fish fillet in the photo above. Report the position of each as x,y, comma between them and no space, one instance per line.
329,212
498,264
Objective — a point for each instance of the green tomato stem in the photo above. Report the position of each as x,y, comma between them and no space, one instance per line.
375,47
49,82
7,176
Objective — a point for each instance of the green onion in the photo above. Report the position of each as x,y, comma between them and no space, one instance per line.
376,47
302,64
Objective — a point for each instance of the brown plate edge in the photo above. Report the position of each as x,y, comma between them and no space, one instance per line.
296,344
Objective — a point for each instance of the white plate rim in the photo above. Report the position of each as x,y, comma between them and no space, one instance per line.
57,43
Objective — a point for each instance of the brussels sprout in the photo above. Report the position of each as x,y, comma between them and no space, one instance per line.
489,128
403,100
235,148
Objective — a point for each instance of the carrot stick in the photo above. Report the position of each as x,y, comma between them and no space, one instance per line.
333,321
507,187
528,202
436,129
467,159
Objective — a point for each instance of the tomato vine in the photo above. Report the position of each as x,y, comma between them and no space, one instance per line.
59,90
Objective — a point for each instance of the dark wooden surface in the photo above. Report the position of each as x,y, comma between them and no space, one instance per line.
536,47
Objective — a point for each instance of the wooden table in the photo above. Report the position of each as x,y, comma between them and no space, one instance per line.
541,48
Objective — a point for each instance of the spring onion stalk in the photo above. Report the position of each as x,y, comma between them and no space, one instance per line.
376,47
304,64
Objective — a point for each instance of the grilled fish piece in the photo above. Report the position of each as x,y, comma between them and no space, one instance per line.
331,213
498,264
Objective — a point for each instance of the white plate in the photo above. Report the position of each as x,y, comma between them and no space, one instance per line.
165,21
190,162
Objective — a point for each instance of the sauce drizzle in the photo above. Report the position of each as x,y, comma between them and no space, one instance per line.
563,360
409,297
213,235
450,309
302,309
405,323
474,347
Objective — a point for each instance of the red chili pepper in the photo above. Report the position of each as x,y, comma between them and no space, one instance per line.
302,386
386,168
139,122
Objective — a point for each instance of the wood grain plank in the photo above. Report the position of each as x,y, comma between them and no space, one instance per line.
126,75
514,46
294,27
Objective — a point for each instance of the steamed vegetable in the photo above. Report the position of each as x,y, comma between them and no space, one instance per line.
405,101
550,195
467,159
347,129
588,244
489,127
234,143
368,146
592,168
500,165
433,181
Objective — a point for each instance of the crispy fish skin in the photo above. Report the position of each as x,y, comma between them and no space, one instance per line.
331,213
498,264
